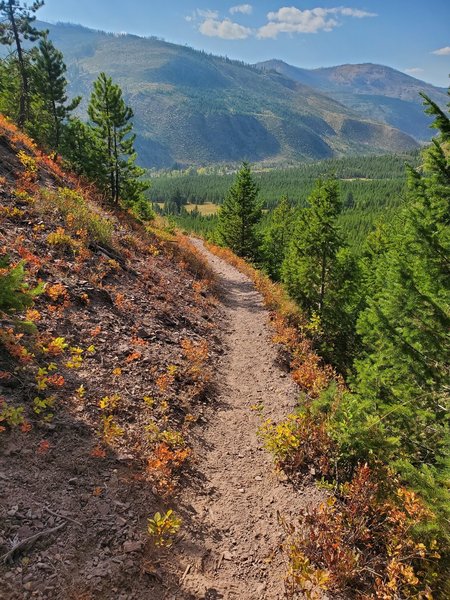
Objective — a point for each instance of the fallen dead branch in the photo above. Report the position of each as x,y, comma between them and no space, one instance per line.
27,543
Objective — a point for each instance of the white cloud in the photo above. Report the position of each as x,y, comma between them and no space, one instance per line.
202,14
353,12
225,29
290,19
245,9
208,14
442,51
414,71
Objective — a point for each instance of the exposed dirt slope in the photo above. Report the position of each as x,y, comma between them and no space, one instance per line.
235,494
84,470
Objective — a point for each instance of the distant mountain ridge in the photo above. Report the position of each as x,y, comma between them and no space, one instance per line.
192,108
374,91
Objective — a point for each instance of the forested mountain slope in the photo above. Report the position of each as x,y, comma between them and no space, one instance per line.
373,91
194,108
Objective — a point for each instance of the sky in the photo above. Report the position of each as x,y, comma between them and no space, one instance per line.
412,36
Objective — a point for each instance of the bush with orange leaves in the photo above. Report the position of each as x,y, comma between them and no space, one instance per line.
360,542
164,463
197,355
299,443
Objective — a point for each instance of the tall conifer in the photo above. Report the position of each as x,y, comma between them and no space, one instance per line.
277,237
239,215
15,27
111,119
50,84
315,241
400,409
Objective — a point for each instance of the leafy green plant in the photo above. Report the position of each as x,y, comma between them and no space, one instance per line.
10,415
80,216
43,406
162,528
15,292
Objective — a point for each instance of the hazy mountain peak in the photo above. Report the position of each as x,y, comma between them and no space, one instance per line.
195,108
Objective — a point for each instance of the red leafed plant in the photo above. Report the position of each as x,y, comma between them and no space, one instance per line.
360,542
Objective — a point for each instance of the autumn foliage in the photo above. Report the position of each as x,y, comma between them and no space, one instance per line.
76,252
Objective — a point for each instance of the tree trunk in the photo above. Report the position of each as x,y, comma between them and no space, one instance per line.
322,281
111,166
57,132
24,93
116,169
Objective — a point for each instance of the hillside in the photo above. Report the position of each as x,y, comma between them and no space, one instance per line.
192,108
101,381
373,91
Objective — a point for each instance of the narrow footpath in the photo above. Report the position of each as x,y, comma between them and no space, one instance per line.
231,550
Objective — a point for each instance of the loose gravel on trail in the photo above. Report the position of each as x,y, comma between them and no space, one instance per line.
233,547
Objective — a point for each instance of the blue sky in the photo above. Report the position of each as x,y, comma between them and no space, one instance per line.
410,35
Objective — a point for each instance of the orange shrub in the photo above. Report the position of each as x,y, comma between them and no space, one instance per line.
363,542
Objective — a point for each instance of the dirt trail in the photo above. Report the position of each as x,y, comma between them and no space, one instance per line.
236,494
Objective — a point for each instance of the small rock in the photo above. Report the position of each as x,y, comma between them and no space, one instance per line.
258,478
13,511
122,457
132,546
242,490
227,555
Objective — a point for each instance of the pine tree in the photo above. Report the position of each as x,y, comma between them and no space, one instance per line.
112,125
239,215
400,408
50,84
15,27
277,237
10,86
314,245
83,151
322,275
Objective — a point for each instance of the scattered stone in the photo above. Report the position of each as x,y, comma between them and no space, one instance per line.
227,555
132,546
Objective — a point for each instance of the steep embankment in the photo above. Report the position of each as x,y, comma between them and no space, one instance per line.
107,407
98,390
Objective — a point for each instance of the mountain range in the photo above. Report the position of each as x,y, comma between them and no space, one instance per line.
192,108
373,91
